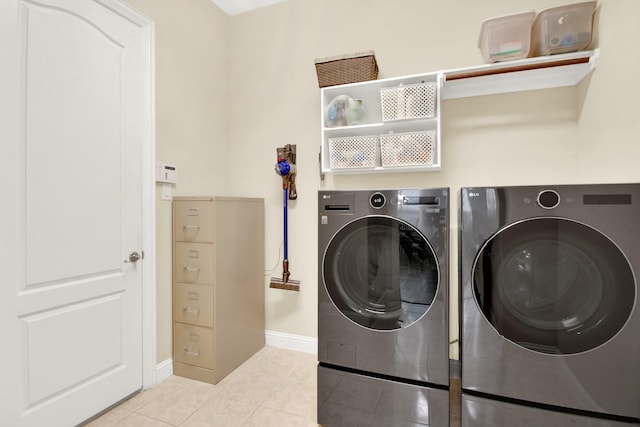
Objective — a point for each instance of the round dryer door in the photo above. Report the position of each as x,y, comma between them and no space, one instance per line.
381,272
554,285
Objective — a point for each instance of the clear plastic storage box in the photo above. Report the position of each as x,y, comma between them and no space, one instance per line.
507,37
563,29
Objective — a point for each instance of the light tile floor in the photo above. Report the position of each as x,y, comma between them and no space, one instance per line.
275,387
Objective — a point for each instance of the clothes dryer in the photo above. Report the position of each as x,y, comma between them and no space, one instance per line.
549,303
383,307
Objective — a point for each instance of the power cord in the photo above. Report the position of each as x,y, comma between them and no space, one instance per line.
268,273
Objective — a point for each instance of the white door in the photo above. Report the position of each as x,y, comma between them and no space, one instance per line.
74,132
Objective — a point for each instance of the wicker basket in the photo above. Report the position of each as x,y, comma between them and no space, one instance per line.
339,70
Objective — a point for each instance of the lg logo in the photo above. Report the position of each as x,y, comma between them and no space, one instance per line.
472,194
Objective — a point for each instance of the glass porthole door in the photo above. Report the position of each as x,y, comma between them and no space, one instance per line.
553,285
381,272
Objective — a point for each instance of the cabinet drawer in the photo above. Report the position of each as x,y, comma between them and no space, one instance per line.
193,304
193,221
193,262
193,345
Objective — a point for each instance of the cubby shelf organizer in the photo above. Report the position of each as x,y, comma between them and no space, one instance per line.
487,79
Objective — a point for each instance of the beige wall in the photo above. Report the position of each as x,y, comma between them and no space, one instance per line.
570,135
192,55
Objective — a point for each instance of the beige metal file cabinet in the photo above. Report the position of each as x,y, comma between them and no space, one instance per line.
218,284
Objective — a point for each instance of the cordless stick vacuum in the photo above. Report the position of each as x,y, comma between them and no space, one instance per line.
286,168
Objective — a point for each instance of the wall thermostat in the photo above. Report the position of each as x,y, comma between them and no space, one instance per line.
166,173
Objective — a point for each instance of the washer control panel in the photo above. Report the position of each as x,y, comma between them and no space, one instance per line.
377,200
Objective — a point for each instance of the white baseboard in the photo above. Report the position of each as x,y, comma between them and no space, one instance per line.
164,370
291,342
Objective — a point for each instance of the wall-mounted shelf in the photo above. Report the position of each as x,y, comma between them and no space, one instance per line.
543,72
512,76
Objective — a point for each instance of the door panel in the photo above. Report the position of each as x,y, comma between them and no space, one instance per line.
81,341
74,145
75,316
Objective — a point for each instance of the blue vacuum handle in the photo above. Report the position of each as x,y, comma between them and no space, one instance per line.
286,234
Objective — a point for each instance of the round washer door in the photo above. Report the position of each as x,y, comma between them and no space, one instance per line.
381,272
554,285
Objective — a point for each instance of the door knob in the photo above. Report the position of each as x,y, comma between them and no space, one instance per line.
133,257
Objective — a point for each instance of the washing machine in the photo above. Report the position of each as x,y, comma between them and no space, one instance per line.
550,324
383,307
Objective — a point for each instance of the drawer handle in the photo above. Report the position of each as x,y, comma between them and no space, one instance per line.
193,212
190,352
191,310
191,227
191,269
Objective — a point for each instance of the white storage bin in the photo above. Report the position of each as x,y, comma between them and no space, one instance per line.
408,149
563,29
355,152
507,37
412,101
